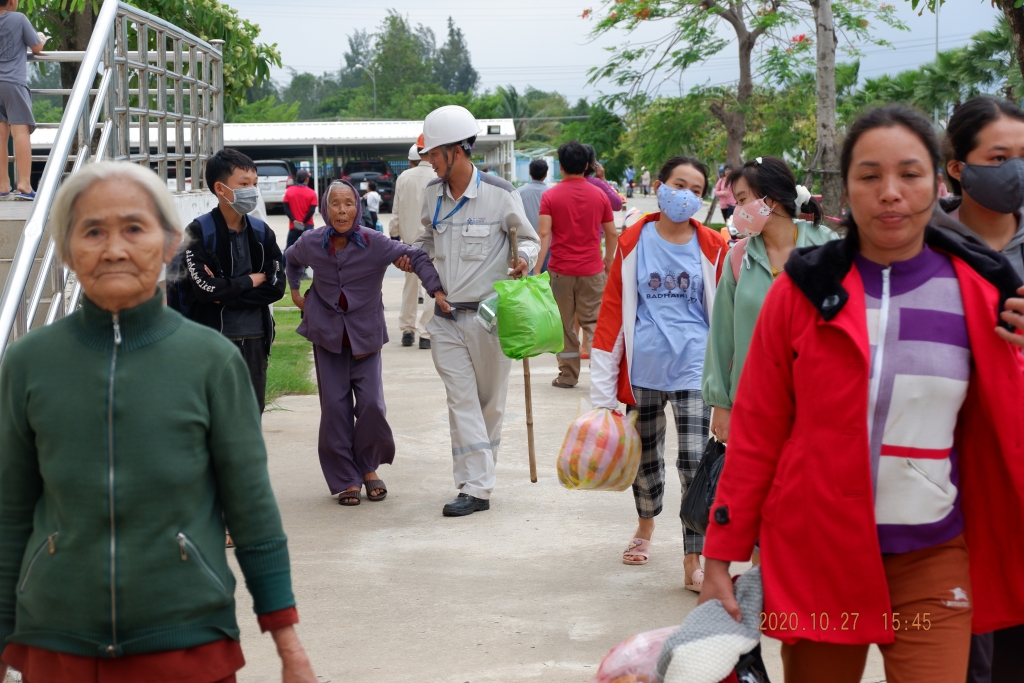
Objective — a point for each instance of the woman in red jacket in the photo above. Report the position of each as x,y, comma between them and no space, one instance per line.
877,435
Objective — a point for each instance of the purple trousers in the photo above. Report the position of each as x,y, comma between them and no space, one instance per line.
355,437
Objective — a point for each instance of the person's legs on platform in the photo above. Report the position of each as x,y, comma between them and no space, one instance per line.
5,159
23,156
563,287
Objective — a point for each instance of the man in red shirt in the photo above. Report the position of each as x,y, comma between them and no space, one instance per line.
573,215
299,205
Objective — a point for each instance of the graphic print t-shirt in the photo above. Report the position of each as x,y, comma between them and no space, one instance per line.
671,324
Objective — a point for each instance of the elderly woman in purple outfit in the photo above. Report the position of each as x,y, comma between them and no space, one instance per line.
344,318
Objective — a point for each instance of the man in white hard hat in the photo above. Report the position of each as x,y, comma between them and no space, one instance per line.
466,217
408,202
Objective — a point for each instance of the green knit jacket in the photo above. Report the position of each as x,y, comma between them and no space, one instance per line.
127,441
735,313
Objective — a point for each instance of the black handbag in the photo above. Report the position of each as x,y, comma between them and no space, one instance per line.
700,494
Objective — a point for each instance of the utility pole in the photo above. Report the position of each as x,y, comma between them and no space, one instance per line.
374,79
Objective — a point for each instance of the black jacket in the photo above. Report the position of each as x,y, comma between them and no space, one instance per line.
211,295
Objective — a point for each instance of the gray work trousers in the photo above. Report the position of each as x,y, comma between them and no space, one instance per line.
475,375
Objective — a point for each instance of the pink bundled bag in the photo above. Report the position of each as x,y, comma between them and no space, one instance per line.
634,660
601,451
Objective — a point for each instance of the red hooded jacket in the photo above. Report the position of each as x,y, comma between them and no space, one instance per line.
797,472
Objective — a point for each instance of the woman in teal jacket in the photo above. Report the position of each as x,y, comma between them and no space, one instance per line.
129,436
768,200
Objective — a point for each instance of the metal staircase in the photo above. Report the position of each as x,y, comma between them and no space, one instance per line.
147,92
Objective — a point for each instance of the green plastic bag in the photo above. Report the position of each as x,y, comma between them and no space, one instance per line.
528,320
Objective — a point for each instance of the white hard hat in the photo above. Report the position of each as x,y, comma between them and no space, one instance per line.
414,153
448,125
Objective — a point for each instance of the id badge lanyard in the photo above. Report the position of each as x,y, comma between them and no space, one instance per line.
462,202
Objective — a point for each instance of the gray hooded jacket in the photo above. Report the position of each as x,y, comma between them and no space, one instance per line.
1014,251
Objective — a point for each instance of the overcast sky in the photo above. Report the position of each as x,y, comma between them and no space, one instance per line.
544,43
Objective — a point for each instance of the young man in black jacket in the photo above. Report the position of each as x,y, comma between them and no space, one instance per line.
235,273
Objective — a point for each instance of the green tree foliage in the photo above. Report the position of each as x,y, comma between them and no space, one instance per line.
692,36
782,118
398,60
247,62
605,131
267,110
453,69
413,76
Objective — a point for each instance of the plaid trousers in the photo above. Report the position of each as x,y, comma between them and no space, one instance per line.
693,424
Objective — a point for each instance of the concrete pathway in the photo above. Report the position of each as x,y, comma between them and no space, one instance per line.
532,590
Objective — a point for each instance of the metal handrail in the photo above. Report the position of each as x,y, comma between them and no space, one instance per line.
169,78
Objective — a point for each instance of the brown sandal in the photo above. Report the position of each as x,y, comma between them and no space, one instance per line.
349,496
375,485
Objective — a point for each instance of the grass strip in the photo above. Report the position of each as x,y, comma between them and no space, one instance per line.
289,371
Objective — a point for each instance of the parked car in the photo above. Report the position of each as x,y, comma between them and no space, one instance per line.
274,178
361,172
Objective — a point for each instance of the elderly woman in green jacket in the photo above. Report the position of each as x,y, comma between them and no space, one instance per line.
768,201
128,437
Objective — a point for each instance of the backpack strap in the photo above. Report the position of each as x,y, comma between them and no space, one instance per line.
739,250
209,228
260,228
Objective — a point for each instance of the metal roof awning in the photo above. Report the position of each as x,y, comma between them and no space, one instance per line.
383,137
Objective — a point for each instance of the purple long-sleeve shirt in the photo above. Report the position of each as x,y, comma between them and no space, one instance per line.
613,196
357,271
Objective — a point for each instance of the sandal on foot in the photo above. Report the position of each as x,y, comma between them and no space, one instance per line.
375,485
697,582
349,496
638,547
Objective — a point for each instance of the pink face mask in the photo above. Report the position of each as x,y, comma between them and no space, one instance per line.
749,218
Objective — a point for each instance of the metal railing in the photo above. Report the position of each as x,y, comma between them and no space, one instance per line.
158,102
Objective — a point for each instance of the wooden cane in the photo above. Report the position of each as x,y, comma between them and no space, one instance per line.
526,380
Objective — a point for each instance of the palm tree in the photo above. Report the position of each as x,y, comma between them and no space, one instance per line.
516,107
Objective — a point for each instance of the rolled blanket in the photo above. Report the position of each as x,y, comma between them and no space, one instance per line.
709,643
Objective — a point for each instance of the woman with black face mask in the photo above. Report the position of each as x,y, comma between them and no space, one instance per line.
984,149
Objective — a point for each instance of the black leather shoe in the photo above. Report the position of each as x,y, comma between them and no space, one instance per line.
408,338
424,343
465,505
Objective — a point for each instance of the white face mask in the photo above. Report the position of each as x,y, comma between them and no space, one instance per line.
246,199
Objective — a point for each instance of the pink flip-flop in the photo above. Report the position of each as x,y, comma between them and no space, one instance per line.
638,547
697,581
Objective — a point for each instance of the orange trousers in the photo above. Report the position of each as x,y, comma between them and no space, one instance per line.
933,581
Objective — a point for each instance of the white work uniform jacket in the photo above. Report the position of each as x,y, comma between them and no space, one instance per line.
469,239
408,202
